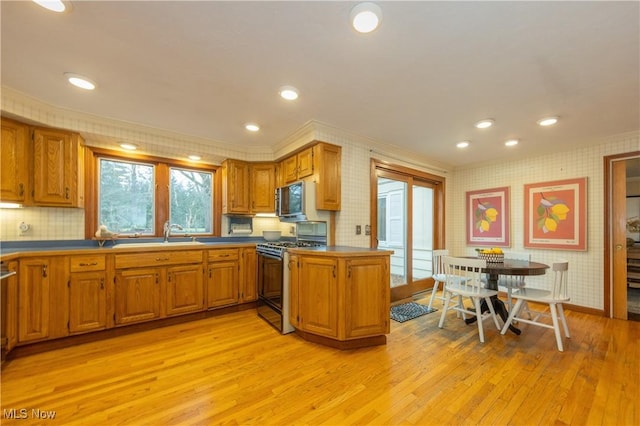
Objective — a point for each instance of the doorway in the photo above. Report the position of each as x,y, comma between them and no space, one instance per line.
408,219
619,171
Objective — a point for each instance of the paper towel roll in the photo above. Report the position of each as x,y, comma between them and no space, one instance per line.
240,231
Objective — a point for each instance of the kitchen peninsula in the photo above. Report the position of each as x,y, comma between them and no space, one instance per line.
340,295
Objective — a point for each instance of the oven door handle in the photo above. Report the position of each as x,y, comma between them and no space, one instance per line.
270,256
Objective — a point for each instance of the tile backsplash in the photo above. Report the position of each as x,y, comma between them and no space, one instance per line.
45,223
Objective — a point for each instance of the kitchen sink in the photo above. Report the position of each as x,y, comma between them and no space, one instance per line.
159,244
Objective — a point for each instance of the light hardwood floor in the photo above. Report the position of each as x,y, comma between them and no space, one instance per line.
235,369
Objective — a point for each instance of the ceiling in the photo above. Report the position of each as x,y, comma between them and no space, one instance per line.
419,82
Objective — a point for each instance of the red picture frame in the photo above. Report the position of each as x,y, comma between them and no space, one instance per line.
556,215
487,215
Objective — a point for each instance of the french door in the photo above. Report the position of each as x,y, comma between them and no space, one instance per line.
407,213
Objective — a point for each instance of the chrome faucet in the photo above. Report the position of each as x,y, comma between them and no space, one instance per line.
168,226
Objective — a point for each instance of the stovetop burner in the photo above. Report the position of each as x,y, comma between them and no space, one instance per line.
277,248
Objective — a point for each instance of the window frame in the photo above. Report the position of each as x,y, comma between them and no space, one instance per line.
161,194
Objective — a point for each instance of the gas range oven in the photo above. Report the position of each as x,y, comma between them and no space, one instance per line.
273,273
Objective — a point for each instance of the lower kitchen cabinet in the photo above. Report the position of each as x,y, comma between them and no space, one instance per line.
9,309
87,302
33,299
318,297
342,295
249,283
223,272
137,295
185,289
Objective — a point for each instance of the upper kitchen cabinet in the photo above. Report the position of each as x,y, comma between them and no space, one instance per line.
297,166
327,159
322,162
263,185
235,187
57,166
248,188
15,165
41,166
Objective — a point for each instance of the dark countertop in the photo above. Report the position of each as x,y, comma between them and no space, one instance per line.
338,251
53,247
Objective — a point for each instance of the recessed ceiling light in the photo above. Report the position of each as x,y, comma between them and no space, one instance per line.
511,142
483,124
289,93
548,121
252,127
128,146
366,17
52,5
463,144
195,158
80,81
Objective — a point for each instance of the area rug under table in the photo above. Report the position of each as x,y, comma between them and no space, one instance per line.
408,311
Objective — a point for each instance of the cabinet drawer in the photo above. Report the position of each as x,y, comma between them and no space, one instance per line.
87,263
223,254
158,258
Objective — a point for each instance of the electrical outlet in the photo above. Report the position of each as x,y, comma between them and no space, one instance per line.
292,230
358,229
367,230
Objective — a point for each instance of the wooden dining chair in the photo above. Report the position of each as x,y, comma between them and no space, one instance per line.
463,279
554,298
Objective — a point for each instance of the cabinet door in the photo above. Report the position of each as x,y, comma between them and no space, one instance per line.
367,297
14,170
263,185
137,295
249,289
236,190
328,189
87,302
305,163
185,289
318,296
10,308
294,291
55,163
33,300
222,283
290,169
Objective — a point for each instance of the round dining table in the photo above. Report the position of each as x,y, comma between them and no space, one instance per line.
507,267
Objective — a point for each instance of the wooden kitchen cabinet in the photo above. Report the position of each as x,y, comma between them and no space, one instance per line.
342,296
263,185
142,288
41,166
137,295
185,289
57,167
236,188
328,177
9,309
33,299
222,282
366,297
318,297
298,166
87,293
14,157
249,283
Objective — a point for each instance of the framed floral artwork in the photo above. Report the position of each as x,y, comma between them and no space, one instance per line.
488,217
556,215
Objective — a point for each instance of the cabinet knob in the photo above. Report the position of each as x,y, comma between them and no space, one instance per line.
21,189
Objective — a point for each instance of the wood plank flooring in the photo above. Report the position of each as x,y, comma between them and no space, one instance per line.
236,370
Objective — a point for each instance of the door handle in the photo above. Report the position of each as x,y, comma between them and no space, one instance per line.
618,247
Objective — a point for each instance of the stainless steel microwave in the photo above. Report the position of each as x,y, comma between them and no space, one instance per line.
290,202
